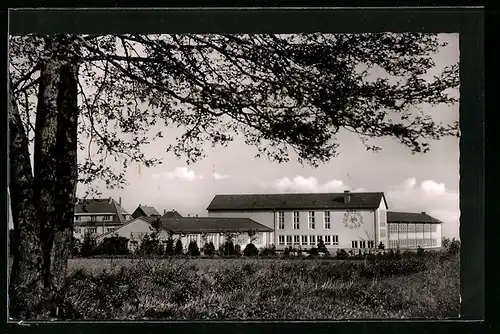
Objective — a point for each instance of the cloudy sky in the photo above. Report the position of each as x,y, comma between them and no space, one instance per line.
421,182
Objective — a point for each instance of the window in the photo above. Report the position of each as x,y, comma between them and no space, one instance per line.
403,227
354,244
312,240
312,221
78,218
296,221
335,240
427,228
433,242
382,233
327,220
434,228
296,239
304,240
110,229
105,218
362,244
393,228
419,227
411,227
281,220
281,240
319,238
383,215
259,238
328,240
288,239
371,244
93,218
92,229
77,230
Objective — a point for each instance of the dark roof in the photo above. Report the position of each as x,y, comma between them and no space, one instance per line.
212,224
103,206
411,217
148,210
359,200
172,214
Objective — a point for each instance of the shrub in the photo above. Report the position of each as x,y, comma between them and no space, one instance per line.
88,245
322,247
342,254
237,250
75,246
228,249
287,251
381,246
209,249
112,246
193,249
250,250
313,251
454,247
169,246
268,251
420,251
178,247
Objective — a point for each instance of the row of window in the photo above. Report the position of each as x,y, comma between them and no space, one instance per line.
362,244
94,218
311,220
405,227
412,243
382,233
90,230
308,240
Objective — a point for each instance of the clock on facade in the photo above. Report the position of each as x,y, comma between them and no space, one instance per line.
353,219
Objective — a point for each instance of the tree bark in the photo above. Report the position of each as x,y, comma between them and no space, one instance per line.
25,278
55,158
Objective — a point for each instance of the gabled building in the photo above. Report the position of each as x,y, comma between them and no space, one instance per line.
98,216
342,220
200,229
349,220
145,211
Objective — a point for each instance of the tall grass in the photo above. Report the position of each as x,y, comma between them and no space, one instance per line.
202,289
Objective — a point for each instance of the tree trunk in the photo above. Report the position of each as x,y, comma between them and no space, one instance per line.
25,278
55,158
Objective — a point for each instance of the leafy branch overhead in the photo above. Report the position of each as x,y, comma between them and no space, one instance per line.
281,92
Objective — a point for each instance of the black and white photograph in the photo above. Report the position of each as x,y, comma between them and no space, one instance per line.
233,176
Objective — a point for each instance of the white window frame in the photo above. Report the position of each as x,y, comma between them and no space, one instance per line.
328,240
371,244
403,227
90,229
433,228
296,220
382,233
327,220
281,220
281,240
289,240
106,218
312,240
335,240
304,240
93,218
311,220
393,228
354,244
362,244
296,239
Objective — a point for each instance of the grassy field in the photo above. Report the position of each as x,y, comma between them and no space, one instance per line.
222,289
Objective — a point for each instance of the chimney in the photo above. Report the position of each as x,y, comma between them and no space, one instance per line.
189,215
120,201
347,196
423,212
196,215
109,200
164,211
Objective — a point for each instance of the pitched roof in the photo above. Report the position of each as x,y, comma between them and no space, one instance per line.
101,206
110,233
212,224
289,201
172,214
148,210
411,217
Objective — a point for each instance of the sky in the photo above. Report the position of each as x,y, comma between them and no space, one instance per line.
414,183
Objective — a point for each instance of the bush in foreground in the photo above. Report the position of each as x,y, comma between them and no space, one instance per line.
251,250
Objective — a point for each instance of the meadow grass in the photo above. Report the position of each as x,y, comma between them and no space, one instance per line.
249,289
